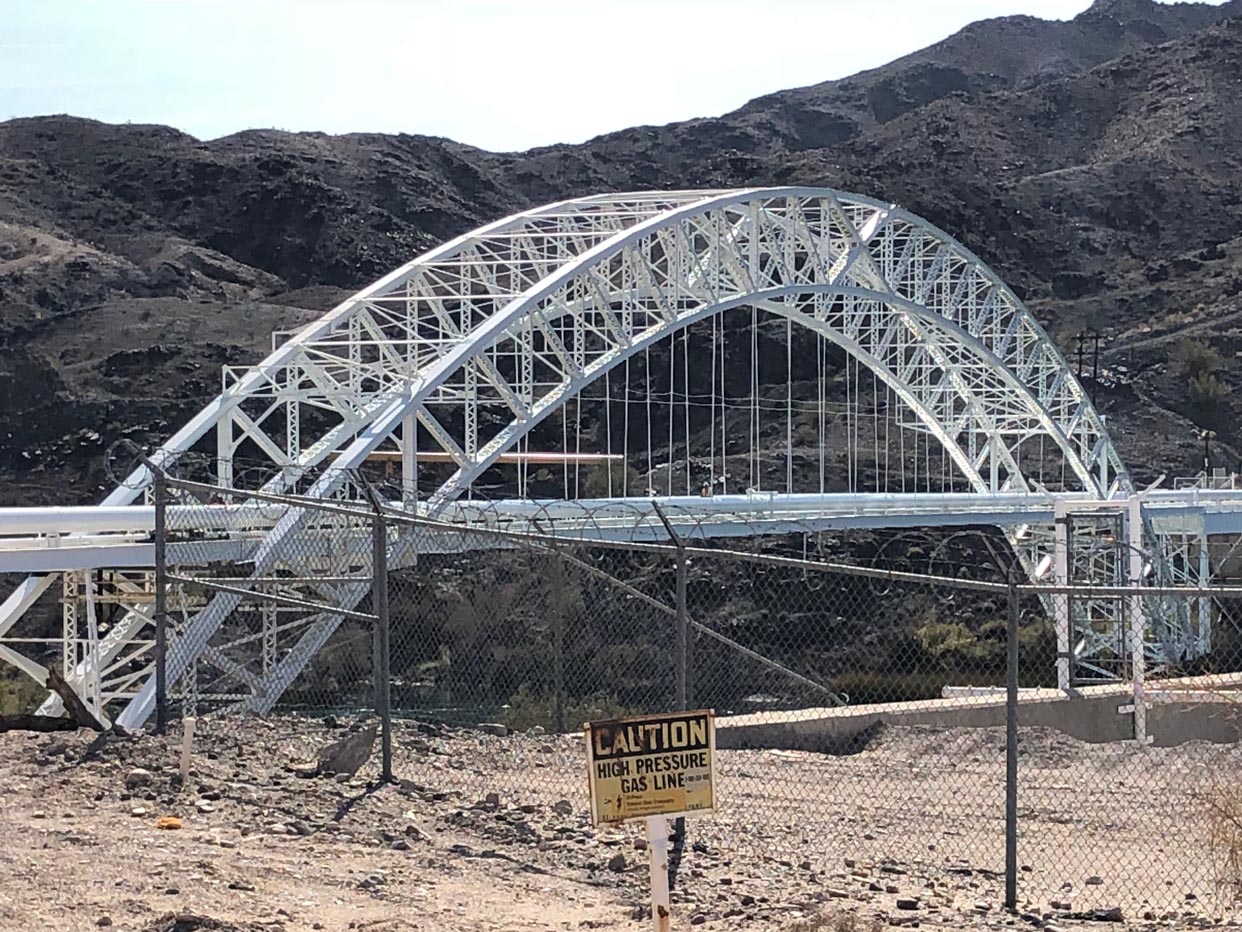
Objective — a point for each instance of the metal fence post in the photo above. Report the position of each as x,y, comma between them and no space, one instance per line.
1062,605
161,606
558,650
684,686
380,660
1011,751
1137,624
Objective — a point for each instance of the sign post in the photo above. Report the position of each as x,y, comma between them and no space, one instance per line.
652,767
657,854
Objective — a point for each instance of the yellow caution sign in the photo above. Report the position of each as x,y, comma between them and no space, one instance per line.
651,765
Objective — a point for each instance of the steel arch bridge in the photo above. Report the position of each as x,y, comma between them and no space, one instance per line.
458,356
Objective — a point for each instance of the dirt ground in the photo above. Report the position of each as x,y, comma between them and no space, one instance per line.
486,832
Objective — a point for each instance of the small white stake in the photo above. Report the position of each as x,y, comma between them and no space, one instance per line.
187,738
657,851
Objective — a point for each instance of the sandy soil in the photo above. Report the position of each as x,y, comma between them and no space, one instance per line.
490,833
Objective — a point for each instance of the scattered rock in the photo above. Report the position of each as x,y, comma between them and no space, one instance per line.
563,807
493,728
697,919
103,922
617,863
1101,914
168,823
349,754
1094,881
138,777
907,902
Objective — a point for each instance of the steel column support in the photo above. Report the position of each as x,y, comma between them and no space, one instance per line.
1205,602
224,450
409,460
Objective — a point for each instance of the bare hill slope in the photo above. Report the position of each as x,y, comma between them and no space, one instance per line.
1094,162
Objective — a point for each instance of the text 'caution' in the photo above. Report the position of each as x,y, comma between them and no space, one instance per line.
651,766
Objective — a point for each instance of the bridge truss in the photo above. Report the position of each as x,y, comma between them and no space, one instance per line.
646,328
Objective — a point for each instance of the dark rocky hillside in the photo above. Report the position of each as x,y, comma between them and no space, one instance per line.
1096,163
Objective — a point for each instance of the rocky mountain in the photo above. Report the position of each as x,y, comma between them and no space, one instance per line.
1095,163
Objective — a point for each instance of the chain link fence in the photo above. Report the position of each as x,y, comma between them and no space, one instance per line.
866,714
246,628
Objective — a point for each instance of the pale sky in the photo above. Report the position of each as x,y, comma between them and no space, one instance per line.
500,74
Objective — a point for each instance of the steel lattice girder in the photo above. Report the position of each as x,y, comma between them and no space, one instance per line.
528,311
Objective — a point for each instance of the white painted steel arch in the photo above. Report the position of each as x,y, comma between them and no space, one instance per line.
526,312
905,297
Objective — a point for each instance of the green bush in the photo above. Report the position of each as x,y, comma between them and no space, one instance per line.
18,692
1192,359
525,710
1206,391
624,476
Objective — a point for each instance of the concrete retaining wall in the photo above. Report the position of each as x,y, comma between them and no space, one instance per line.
1182,710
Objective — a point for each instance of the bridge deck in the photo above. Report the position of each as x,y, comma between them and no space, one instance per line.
37,540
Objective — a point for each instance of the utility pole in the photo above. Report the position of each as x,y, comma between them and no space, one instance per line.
1095,364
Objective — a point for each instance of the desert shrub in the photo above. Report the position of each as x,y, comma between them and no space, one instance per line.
1199,364
1192,358
838,920
19,693
1206,391
526,709
624,476
1224,818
